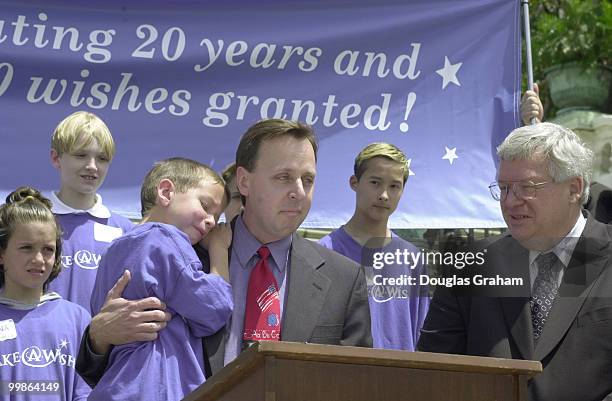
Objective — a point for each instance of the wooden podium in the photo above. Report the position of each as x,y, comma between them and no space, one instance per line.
285,371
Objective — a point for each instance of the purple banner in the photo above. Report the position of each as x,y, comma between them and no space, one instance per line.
439,79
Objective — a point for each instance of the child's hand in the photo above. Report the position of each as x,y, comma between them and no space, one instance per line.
217,241
219,238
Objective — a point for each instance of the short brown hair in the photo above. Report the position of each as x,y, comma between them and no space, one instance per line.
264,130
185,174
229,172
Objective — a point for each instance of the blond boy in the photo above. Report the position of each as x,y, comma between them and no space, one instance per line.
82,149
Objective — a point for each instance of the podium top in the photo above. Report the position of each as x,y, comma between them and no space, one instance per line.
383,357
259,353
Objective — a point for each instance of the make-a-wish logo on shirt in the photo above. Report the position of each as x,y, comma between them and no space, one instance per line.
37,357
82,258
383,289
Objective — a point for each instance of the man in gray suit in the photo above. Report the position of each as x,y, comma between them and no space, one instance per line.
322,294
562,314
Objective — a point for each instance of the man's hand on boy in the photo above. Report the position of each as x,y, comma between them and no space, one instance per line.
121,321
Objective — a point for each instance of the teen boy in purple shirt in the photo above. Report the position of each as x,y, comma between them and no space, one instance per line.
181,201
82,148
398,310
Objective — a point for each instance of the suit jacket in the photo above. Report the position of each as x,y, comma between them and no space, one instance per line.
600,202
326,303
575,348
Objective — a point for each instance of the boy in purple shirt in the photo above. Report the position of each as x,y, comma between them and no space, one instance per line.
181,202
82,148
397,307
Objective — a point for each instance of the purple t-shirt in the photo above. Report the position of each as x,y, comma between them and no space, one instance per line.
42,344
163,264
398,309
85,239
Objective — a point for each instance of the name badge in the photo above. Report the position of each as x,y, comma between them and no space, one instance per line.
7,330
104,233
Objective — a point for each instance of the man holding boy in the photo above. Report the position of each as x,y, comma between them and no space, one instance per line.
318,295
380,174
82,149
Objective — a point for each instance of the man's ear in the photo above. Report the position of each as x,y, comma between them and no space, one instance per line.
576,188
165,192
353,181
55,159
243,180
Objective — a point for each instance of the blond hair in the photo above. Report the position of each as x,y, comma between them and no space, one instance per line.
380,149
81,129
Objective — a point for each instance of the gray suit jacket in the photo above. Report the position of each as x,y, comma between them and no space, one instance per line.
327,302
575,348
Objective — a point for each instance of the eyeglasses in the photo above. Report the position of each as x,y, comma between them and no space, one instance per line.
525,190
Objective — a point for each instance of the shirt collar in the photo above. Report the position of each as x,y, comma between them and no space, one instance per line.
390,244
97,210
245,245
565,247
49,296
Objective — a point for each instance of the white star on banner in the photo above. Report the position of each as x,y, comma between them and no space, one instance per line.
449,73
451,155
410,172
63,344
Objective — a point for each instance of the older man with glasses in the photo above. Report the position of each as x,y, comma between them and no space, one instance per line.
562,314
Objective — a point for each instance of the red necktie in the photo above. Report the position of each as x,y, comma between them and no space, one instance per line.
262,313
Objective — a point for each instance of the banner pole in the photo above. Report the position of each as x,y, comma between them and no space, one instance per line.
525,4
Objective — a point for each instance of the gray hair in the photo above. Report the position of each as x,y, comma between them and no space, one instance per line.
566,154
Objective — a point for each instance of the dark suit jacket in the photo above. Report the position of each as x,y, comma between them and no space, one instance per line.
575,348
600,202
326,303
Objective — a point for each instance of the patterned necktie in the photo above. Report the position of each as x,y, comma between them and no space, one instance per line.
544,292
262,313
